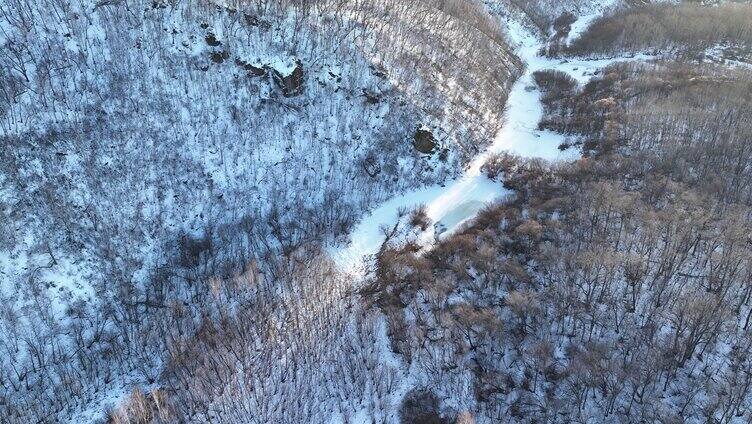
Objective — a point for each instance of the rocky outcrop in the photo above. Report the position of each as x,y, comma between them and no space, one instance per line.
371,97
212,40
421,407
290,82
219,56
255,21
253,71
424,141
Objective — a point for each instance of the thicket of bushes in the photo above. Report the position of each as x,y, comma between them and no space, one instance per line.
691,120
685,27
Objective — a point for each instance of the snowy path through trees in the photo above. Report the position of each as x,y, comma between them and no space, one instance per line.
451,205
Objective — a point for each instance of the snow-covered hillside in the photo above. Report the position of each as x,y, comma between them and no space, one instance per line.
147,145
362,211
609,289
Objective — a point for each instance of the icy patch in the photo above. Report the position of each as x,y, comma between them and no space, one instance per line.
583,22
579,27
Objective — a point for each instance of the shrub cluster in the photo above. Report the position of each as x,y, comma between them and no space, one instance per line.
666,28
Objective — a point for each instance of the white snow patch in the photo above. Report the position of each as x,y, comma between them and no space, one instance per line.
283,65
717,54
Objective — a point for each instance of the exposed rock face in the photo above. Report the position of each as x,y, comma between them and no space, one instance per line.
421,407
211,40
292,83
255,21
253,71
424,141
219,56
379,71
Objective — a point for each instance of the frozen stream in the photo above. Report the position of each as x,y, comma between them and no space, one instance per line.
461,199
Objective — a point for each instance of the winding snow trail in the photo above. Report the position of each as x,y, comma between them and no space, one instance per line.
451,205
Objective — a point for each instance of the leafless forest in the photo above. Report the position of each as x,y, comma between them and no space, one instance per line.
612,288
178,176
688,27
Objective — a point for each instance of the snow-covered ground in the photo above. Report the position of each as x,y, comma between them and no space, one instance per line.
450,205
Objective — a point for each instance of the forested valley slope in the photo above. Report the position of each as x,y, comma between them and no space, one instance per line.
375,211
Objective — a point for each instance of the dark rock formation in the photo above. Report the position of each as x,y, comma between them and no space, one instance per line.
371,97
219,56
255,21
211,40
420,407
379,71
253,71
424,141
292,83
